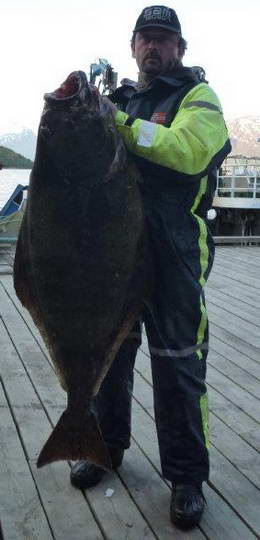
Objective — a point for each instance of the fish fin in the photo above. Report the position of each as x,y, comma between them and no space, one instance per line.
76,438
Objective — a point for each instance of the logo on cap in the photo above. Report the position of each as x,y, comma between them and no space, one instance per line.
157,13
160,16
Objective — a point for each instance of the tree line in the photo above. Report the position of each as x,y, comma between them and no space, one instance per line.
11,160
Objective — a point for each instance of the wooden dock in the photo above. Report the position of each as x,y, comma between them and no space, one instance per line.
133,504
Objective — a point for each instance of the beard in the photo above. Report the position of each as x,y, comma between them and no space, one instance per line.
147,75
153,65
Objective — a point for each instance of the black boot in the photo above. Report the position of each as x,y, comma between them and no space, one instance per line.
84,474
187,505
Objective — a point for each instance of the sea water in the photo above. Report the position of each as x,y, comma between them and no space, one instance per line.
9,179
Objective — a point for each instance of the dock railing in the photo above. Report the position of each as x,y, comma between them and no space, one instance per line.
237,185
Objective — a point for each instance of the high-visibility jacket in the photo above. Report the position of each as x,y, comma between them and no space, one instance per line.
176,123
176,131
177,135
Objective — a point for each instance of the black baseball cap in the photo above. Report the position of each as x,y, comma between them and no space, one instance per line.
159,17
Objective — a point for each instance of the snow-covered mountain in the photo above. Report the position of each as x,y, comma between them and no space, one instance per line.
245,135
22,141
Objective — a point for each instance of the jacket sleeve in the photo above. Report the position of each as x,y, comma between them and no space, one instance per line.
196,136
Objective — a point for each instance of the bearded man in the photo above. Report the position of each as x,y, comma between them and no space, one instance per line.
172,123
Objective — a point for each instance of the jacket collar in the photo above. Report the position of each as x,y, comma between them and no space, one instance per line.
176,79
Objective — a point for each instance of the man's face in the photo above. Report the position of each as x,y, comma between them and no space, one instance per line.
156,50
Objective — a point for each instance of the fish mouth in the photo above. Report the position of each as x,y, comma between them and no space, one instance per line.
74,90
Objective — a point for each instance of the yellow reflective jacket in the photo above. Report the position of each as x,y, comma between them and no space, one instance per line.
196,139
177,134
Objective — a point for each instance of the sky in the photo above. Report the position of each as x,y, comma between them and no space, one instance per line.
42,41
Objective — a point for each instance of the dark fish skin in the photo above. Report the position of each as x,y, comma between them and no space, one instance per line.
80,263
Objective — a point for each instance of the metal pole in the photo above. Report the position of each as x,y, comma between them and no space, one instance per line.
232,186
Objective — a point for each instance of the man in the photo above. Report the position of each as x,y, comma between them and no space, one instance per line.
172,122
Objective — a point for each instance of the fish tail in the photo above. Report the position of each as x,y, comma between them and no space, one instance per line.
76,438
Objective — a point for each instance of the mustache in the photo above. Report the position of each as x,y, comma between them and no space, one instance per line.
153,55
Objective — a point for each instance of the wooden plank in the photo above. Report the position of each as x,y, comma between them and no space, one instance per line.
231,265
5,269
7,285
221,405
235,306
113,514
232,249
6,261
219,520
227,368
10,288
239,422
151,494
246,258
9,255
237,273
22,515
236,489
3,261
237,375
241,329
245,458
245,252
228,338
99,506
249,269
34,360
228,286
231,414
68,513
240,493
253,250
240,277
234,356
230,292
118,514
65,507
247,330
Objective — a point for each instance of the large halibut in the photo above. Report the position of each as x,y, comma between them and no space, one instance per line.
81,256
